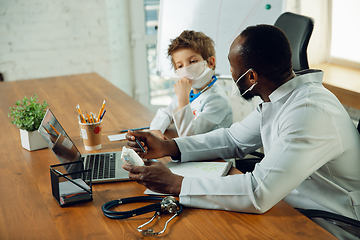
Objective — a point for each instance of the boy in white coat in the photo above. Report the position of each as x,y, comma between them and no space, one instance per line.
200,104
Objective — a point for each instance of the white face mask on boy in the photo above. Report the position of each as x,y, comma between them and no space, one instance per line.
198,73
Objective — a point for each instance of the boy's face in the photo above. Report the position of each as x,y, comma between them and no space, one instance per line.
185,57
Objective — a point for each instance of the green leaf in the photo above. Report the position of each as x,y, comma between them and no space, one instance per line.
27,114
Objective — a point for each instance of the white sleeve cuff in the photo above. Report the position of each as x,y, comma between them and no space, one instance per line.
184,196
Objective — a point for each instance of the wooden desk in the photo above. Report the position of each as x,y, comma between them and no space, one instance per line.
29,211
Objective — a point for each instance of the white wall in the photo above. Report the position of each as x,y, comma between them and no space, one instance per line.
42,38
320,10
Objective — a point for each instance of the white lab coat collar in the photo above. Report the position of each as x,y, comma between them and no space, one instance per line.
302,77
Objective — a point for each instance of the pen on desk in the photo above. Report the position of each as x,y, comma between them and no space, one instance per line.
138,142
54,129
101,110
102,115
134,129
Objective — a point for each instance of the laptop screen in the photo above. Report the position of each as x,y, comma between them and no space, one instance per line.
57,139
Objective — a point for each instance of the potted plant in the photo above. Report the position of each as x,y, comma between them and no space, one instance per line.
27,115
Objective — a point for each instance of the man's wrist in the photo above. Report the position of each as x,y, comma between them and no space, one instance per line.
171,149
175,187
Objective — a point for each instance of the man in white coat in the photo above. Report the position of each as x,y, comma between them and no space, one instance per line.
311,146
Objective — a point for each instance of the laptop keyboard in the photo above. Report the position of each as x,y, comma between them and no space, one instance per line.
102,165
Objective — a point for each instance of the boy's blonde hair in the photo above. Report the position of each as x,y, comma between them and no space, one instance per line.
196,41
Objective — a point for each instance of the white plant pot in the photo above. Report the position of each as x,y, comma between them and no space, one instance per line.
32,140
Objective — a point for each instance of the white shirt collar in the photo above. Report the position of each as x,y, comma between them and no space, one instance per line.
302,77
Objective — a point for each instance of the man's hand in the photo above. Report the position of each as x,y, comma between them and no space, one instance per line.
159,134
155,147
156,177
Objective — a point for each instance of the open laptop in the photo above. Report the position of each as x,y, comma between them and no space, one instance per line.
106,166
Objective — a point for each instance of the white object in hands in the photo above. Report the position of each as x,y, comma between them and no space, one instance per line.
129,156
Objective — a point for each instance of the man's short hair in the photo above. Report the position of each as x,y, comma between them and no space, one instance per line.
196,41
267,50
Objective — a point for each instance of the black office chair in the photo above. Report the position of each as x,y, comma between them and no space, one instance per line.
298,30
349,225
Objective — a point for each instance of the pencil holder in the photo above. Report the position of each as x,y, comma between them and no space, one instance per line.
70,183
91,135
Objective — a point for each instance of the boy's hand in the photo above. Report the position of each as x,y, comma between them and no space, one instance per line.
182,89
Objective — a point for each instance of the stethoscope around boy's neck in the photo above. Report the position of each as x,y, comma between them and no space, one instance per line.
193,96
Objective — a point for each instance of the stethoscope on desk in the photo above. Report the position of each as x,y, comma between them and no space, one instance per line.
168,204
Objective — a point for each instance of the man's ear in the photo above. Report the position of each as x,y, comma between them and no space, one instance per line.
253,76
211,62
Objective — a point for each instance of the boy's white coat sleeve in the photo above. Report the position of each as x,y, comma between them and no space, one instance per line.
163,118
214,112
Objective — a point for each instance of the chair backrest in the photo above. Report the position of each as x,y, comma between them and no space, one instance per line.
298,29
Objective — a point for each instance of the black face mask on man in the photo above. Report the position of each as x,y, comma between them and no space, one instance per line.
236,91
